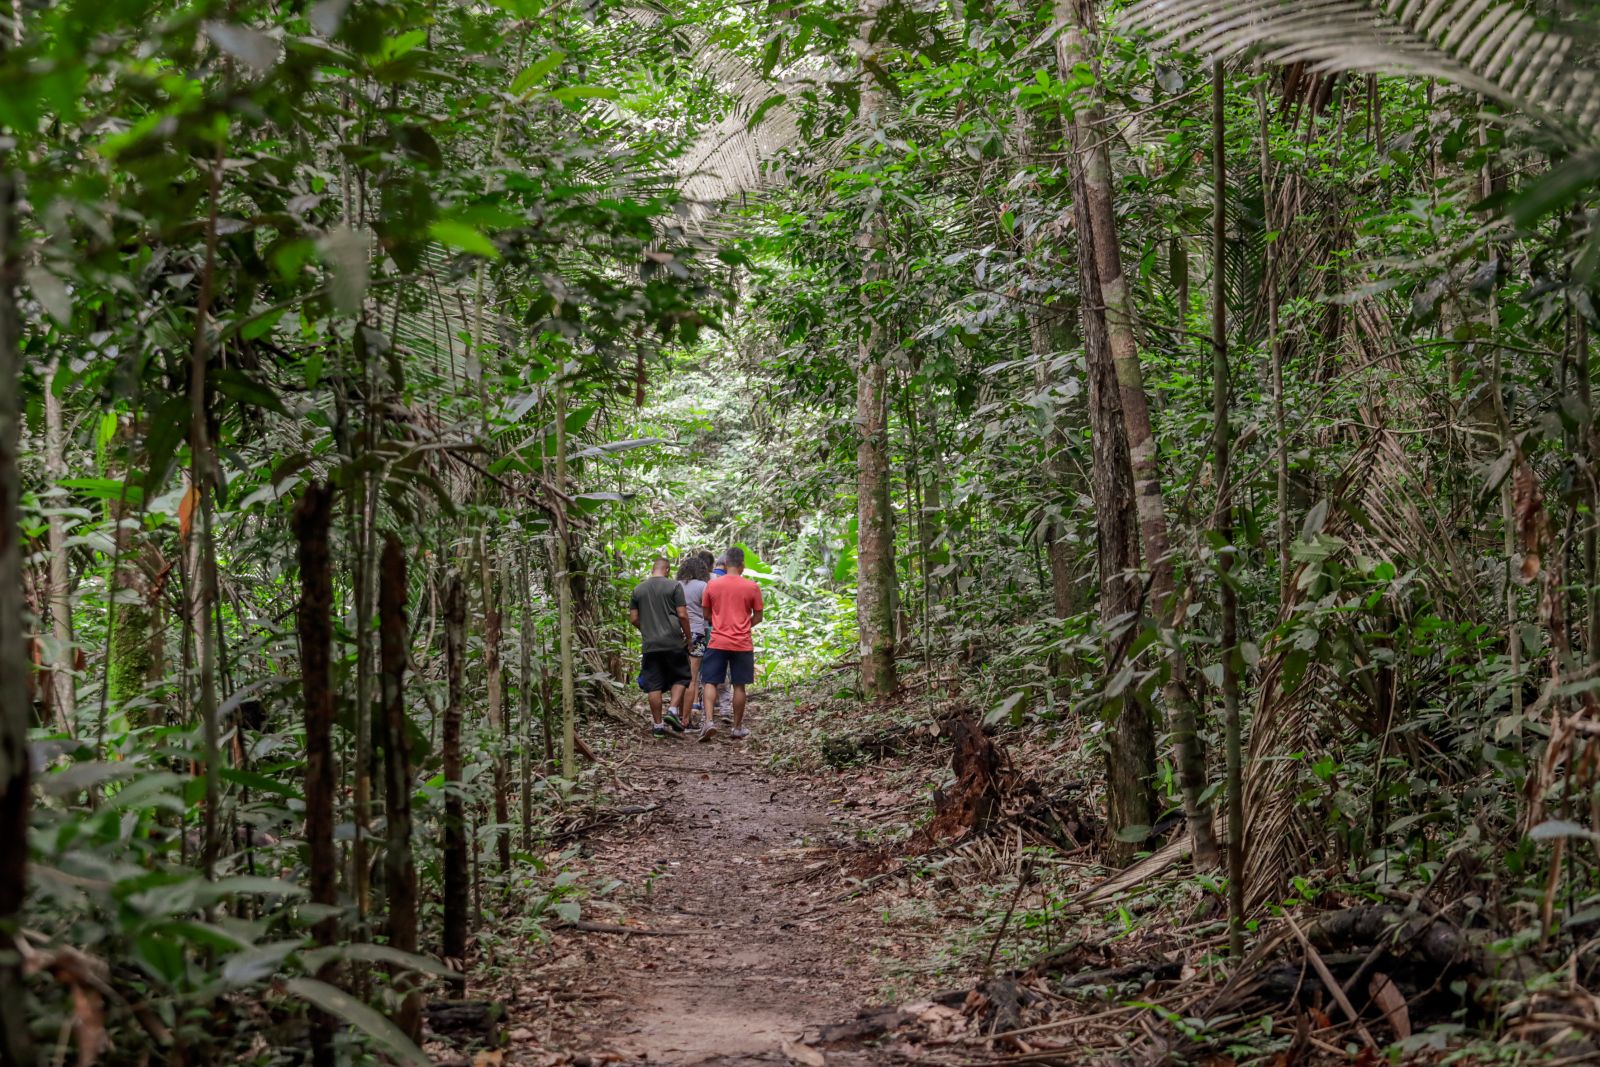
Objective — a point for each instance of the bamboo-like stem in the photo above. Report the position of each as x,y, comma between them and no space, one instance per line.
1221,443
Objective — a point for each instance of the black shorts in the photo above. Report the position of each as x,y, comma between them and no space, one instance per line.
721,665
660,671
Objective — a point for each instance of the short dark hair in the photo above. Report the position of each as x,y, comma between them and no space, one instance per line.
735,557
707,558
693,569
660,561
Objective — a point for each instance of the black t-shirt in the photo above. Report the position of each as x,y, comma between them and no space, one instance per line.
657,601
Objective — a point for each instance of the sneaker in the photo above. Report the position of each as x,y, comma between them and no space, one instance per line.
671,719
708,731
739,733
658,730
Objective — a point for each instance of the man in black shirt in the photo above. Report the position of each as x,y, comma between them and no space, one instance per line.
657,608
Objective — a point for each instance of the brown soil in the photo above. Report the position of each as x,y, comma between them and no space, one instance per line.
743,867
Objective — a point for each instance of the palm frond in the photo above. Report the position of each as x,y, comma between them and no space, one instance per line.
1494,48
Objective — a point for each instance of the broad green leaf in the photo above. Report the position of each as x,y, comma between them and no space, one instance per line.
337,1002
370,953
535,72
460,236
583,92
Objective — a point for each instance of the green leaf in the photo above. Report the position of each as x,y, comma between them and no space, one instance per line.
51,292
535,72
249,46
583,92
261,783
765,106
460,236
337,1002
104,489
770,54
370,953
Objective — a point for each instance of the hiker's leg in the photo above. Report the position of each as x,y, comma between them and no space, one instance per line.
708,700
655,707
692,691
738,706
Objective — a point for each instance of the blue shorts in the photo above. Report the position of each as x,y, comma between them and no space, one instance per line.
720,665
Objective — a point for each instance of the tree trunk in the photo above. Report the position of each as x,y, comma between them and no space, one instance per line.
1221,443
569,711
311,521
400,869
1280,447
1131,739
492,629
525,689
16,1047
1090,147
875,565
203,476
62,677
133,642
455,812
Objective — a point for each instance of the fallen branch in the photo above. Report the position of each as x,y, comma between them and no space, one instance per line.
587,927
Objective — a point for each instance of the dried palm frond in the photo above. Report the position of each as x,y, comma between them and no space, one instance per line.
1497,49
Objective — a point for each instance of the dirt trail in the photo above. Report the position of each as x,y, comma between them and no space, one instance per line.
739,863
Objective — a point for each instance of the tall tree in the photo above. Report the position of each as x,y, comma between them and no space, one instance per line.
454,848
399,863
312,518
875,587
16,1047
1221,444
1089,144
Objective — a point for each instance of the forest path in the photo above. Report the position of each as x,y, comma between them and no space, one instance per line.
739,863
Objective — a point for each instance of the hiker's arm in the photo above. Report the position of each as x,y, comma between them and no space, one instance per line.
633,617
760,605
755,616
683,620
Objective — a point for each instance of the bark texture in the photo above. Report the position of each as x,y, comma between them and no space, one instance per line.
875,583
456,883
400,869
1090,138
63,683
1131,738
16,1048
312,517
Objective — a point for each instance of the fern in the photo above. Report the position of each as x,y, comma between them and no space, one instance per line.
1490,47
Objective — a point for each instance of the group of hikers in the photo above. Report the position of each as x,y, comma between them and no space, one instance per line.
697,648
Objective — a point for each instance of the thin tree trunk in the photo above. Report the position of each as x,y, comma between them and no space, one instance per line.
525,688
1131,739
1587,445
1221,444
133,638
16,1048
455,812
563,577
202,475
875,565
63,680
400,870
1189,756
492,631
311,521
1280,432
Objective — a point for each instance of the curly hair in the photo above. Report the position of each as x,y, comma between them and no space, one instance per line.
693,568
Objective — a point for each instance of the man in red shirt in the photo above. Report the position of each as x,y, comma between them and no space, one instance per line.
733,604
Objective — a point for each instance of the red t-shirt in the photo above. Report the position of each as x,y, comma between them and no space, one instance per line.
728,602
